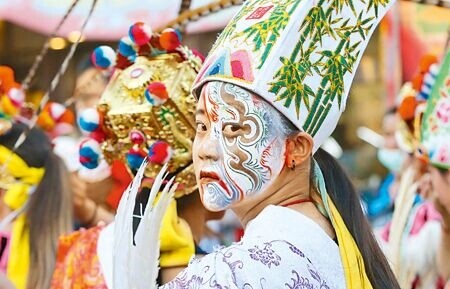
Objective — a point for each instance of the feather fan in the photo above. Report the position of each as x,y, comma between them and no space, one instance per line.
136,264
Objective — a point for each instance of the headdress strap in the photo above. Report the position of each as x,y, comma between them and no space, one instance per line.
352,260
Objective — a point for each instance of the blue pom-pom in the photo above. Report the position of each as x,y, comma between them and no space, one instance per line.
126,47
135,158
90,153
89,120
103,57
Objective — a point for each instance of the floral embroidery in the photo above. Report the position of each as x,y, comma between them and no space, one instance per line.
301,282
195,282
229,268
267,256
296,250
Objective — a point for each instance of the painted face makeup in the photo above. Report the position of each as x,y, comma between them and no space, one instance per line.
239,146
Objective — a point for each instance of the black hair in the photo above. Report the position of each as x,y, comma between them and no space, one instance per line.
35,149
49,208
347,201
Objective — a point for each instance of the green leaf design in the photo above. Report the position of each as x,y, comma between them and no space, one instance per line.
230,30
374,4
287,85
331,65
264,34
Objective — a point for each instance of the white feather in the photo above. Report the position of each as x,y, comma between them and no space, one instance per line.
137,266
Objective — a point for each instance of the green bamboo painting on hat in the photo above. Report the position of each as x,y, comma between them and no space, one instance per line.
289,81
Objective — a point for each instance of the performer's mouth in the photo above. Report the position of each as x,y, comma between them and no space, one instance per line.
208,177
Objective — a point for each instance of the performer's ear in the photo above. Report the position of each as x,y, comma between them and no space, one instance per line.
299,148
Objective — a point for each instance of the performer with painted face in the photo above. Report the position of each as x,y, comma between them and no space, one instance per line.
270,92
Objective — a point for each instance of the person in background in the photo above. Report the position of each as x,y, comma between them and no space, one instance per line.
411,238
35,208
435,151
379,207
90,187
35,200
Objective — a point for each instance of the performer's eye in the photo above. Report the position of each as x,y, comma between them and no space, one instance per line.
201,127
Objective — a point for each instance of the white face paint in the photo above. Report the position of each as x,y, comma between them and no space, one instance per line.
239,147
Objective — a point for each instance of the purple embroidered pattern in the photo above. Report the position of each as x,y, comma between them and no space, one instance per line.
301,282
267,256
251,268
295,250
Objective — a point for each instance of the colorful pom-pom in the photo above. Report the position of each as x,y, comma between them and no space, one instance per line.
8,107
407,108
126,47
17,96
56,119
45,121
49,116
137,137
12,95
159,152
6,77
89,120
90,153
156,93
135,157
140,33
56,110
103,57
98,135
170,39
426,61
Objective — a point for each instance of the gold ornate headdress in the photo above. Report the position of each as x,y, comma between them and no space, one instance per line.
147,108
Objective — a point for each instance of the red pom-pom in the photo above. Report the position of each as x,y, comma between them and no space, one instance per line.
170,39
137,137
159,152
156,93
98,135
140,33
